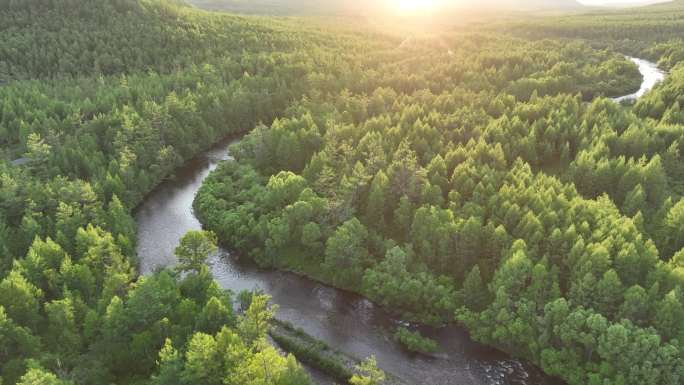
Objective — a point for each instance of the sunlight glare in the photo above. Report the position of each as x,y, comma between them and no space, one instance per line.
413,6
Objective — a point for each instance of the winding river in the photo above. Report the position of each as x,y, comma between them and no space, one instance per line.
651,74
343,320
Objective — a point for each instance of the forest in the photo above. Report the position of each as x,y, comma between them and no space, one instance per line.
477,175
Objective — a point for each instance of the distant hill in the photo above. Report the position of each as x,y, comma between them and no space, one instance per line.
309,7
525,5
626,3
271,7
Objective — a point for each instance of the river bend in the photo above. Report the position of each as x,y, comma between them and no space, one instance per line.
344,320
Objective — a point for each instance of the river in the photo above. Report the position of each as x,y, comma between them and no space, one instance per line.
652,75
343,320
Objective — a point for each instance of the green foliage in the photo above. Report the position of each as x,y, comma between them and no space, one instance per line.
421,296
224,358
215,315
414,341
369,374
152,85
256,321
36,375
652,31
475,294
311,351
489,185
346,253
470,173
194,249
20,299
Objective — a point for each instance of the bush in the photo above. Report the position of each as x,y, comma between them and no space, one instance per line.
414,341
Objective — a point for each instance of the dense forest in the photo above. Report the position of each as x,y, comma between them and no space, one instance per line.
101,100
477,176
540,215
653,32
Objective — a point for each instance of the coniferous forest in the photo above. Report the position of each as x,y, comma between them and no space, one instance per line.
475,174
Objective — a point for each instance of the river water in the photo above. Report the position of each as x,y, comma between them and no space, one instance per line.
343,320
652,75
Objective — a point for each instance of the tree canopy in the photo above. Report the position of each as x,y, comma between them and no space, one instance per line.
477,175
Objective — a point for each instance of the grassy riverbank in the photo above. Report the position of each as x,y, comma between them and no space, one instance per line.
318,354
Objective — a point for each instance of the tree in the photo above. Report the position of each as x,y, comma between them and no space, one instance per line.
121,223
311,237
368,373
170,366
582,291
214,316
475,294
41,264
115,332
346,253
38,153
194,249
379,192
256,321
21,299
423,296
635,201
268,367
63,333
203,361
283,189
18,343
36,375
635,306
655,180
669,315
403,218
675,227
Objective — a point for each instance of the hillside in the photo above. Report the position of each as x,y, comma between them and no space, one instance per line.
124,36
272,7
312,7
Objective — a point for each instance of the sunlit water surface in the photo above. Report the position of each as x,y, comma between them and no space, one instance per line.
652,75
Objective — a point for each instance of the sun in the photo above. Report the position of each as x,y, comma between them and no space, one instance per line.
413,6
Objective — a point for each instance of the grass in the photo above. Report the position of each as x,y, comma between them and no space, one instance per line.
312,351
